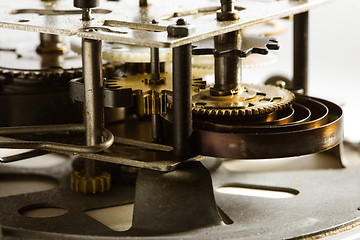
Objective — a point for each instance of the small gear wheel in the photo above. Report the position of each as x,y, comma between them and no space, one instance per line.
247,100
81,182
150,96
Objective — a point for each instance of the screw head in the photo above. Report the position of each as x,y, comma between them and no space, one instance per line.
180,29
181,21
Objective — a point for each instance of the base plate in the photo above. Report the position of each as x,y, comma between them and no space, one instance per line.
323,206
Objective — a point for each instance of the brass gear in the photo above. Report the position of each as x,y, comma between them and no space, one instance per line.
150,97
246,101
81,182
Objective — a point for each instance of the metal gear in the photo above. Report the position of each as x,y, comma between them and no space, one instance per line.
25,60
150,96
81,182
248,100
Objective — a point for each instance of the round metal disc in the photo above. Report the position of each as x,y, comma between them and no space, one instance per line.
247,100
305,134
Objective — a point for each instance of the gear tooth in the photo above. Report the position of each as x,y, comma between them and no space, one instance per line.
80,182
282,96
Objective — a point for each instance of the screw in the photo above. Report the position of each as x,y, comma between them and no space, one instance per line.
181,21
180,29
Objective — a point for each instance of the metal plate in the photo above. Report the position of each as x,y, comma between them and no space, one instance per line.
125,22
325,205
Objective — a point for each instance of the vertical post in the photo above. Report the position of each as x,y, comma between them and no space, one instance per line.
93,105
301,51
155,75
182,78
227,68
143,3
86,6
86,14
155,63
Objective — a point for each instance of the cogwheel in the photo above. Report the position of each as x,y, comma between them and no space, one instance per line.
150,97
28,59
116,52
80,182
245,101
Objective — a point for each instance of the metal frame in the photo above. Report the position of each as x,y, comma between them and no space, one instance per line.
126,22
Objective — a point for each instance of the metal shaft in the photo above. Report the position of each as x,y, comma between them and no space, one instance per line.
227,68
155,63
155,75
143,3
155,127
86,14
227,6
182,79
93,105
301,51
51,43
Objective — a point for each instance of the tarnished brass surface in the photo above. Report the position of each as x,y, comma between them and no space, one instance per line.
305,134
247,100
150,97
81,182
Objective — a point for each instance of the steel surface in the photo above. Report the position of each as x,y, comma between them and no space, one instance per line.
126,22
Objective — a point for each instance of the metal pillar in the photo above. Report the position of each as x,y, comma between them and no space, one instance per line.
93,105
155,75
143,3
227,68
182,100
155,63
301,51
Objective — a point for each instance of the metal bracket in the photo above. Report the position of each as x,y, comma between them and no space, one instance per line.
114,97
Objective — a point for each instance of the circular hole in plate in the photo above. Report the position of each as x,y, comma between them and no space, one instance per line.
15,184
23,20
42,211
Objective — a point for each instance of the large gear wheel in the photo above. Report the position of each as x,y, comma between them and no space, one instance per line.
245,101
23,59
34,79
